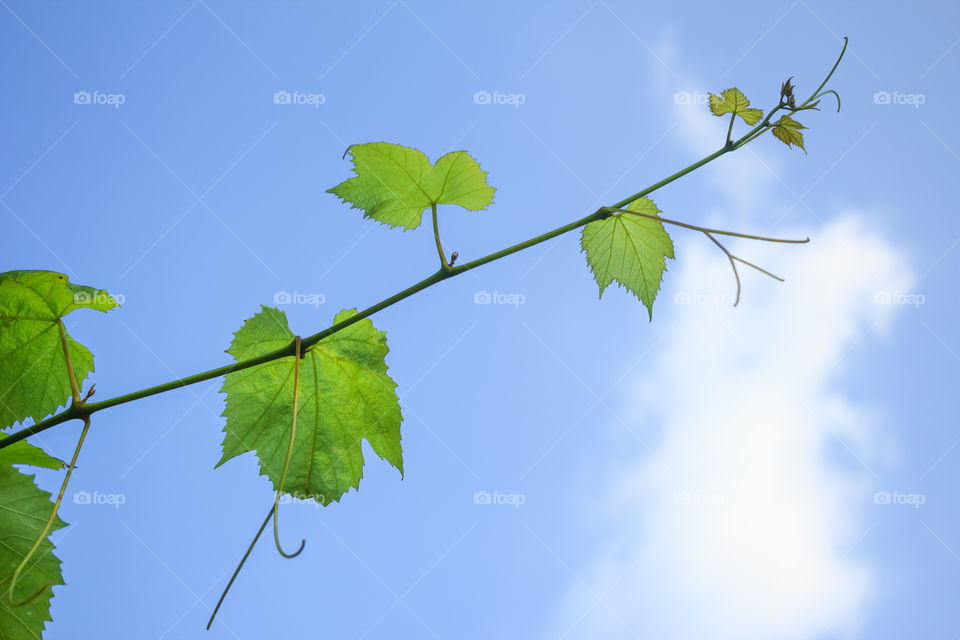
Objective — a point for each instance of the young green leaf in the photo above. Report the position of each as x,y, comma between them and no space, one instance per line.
733,101
630,249
23,452
395,184
34,380
24,510
346,396
787,130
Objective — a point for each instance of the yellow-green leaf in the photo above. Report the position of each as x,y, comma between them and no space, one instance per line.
787,130
630,249
733,101
395,184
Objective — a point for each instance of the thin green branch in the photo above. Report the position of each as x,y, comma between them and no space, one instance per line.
760,269
733,265
436,235
243,560
836,64
75,393
835,94
707,230
74,387
83,410
53,514
286,462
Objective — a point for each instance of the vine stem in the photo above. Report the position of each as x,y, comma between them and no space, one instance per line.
275,508
75,393
52,518
74,387
707,230
243,561
436,235
286,462
81,410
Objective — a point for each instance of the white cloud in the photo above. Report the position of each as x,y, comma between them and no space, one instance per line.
738,525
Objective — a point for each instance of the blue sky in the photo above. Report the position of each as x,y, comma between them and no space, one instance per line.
724,473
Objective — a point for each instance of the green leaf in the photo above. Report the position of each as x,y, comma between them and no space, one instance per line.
22,452
345,396
395,184
34,379
24,510
787,130
630,249
733,101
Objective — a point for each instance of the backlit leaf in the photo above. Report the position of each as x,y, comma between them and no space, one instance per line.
24,510
629,249
345,397
395,184
33,377
733,101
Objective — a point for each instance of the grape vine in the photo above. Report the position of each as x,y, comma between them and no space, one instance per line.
304,405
